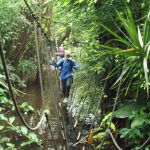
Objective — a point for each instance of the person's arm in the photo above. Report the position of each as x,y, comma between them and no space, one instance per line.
75,65
60,63
57,64
54,63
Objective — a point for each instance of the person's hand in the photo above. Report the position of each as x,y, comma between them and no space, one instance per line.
53,58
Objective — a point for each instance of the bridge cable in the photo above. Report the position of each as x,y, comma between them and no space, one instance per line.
38,24
11,91
40,78
52,88
49,127
98,104
82,99
38,59
12,95
88,110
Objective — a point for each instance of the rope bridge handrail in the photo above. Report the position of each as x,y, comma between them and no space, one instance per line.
10,86
45,115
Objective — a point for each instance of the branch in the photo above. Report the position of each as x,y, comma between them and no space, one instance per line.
113,139
144,143
80,140
68,31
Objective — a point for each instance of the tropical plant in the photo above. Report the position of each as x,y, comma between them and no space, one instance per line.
9,125
25,67
136,55
138,129
131,50
100,133
14,78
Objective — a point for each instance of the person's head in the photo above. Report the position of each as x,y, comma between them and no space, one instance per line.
67,53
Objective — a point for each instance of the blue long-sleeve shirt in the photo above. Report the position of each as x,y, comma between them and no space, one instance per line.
66,67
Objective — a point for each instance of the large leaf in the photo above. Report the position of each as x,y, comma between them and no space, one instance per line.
130,27
100,135
127,110
123,40
103,122
33,136
146,30
111,125
146,70
122,74
137,122
24,129
26,143
1,127
12,119
2,117
118,51
140,37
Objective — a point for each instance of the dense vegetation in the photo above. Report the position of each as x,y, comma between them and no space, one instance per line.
111,41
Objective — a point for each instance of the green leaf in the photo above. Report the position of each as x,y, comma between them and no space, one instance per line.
105,119
24,129
137,122
137,132
128,1
4,139
2,117
13,129
130,27
24,104
127,110
146,69
117,36
47,2
11,146
97,129
140,37
124,132
1,127
117,51
125,70
33,136
80,1
100,135
146,30
112,125
11,119
26,143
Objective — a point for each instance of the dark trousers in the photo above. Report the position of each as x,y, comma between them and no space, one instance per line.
66,85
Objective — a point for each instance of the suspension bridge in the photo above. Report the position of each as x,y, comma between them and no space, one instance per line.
65,131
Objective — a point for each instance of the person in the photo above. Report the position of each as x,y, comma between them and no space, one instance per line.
60,51
66,65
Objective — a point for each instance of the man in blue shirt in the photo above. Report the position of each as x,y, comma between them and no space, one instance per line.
66,65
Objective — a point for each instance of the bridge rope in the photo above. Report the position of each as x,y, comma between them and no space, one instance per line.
38,60
55,98
88,110
37,21
36,25
11,91
56,103
37,30
13,98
